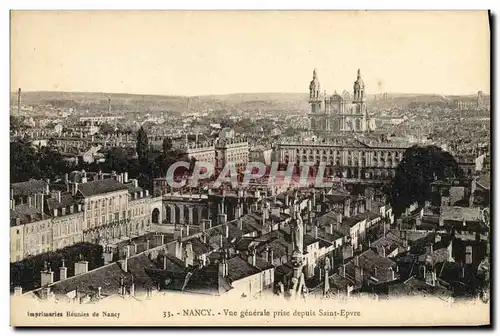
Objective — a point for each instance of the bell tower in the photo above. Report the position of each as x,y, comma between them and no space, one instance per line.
314,94
359,89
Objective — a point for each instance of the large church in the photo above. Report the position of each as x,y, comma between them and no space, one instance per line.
336,113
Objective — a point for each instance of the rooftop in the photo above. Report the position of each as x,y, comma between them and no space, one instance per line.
29,188
100,187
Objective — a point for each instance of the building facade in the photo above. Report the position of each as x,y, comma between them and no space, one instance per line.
107,210
336,113
345,156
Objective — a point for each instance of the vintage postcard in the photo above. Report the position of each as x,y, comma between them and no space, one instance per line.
250,168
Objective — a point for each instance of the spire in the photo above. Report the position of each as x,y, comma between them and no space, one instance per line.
359,73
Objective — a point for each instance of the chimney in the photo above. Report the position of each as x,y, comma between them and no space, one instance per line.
187,230
136,183
222,218
46,277
55,212
122,287
19,101
29,201
18,291
165,262
107,256
81,267
128,251
330,228
74,188
252,258
99,289
240,224
79,208
46,292
226,230
178,249
271,257
132,289
11,194
368,203
223,269
265,254
315,232
287,199
63,272
147,244
56,194
342,271
12,204
125,177
124,264
147,192
47,187
205,224
356,261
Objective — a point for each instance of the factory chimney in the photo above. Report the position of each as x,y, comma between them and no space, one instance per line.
19,101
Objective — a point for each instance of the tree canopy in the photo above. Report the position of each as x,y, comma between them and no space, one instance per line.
419,167
142,146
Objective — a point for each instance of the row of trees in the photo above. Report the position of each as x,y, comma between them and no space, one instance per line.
46,162
419,167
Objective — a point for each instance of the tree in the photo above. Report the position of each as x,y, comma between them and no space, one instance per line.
167,145
106,128
15,122
23,162
142,146
419,167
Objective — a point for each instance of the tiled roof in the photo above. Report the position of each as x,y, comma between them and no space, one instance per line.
460,213
238,268
309,240
199,247
66,200
137,266
26,214
414,286
107,277
485,181
100,187
206,280
29,188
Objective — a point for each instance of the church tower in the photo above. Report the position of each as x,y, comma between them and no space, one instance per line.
317,117
359,89
314,94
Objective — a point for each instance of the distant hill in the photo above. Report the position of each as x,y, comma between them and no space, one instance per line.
129,103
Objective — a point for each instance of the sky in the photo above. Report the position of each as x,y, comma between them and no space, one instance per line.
213,52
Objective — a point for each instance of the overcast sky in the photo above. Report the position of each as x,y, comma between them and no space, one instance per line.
196,53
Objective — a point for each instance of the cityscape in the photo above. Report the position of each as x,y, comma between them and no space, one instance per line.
97,210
